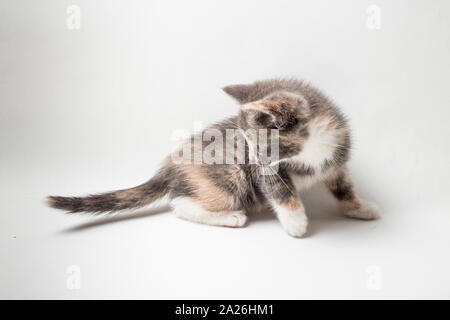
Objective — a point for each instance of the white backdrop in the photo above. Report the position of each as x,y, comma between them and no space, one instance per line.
93,109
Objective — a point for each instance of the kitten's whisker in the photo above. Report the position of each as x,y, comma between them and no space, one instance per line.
281,179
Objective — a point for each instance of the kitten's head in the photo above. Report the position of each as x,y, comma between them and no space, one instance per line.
280,109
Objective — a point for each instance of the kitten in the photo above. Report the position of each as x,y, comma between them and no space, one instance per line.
313,145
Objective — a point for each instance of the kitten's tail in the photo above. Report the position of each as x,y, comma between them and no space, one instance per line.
136,197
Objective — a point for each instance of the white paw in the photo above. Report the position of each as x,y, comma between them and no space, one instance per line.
295,223
367,211
236,220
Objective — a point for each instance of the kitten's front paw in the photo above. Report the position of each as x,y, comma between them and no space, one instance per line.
236,220
367,211
295,223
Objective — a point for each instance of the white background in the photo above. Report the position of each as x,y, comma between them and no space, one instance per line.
92,110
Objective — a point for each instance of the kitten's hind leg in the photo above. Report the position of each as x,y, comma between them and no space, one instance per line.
188,209
341,186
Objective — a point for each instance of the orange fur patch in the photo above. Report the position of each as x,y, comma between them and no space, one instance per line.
292,204
350,205
207,194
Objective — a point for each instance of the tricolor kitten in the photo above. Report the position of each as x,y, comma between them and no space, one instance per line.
314,146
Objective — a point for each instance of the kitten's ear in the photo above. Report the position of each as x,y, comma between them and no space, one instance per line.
256,115
240,92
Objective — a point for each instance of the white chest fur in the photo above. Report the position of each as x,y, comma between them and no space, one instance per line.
319,147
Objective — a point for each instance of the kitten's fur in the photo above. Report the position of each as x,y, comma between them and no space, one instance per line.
314,145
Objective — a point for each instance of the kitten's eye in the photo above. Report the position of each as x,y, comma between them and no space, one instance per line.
264,119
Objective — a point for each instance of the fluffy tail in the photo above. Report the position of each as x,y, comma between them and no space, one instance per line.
135,197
